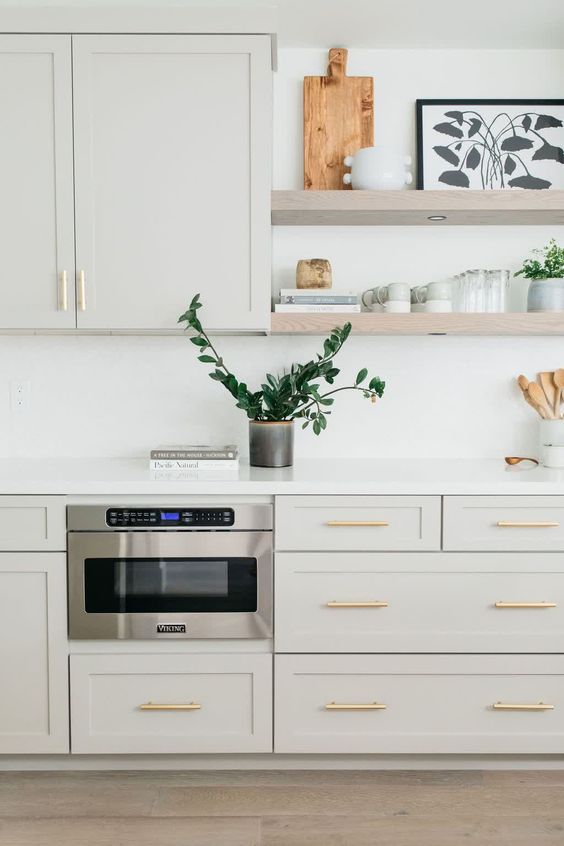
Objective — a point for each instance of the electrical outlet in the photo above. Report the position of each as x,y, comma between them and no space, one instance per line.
20,395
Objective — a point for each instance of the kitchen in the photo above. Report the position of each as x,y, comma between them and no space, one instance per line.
96,373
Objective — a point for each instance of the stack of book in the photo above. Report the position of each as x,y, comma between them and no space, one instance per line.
195,461
294,300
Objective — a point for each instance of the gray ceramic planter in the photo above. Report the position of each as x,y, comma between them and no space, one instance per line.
271,444
546,295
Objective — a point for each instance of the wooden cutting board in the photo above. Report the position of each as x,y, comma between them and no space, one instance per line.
338,121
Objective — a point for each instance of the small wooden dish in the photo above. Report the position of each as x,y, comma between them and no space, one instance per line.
516,459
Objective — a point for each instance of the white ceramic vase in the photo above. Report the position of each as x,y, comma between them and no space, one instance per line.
378,169
546,295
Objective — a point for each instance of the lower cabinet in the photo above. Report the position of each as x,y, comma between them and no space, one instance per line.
34,711
419,602
198,703
460,704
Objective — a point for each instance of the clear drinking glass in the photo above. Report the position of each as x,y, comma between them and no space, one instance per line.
459,292
475,284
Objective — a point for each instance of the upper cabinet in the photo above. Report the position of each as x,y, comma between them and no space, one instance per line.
36,200
172,169
170,140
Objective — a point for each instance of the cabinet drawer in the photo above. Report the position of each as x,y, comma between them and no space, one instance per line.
32,523
503,522
171,703
465,704
419,602
358,522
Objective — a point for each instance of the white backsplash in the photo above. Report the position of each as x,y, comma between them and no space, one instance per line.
446,396
119,396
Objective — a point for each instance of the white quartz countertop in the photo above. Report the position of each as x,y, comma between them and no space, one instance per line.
101,476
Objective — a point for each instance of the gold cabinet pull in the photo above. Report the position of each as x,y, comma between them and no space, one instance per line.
63,295
522,706
525,604
355,706
81,291
164,706
537,524
334,523
367,603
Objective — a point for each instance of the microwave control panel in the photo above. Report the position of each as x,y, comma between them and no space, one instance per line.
136,518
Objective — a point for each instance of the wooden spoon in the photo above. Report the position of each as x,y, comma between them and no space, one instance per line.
547,382
524,383
558,378
516,459
536,394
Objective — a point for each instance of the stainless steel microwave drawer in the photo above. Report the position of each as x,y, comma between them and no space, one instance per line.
358,523
459,704
489,523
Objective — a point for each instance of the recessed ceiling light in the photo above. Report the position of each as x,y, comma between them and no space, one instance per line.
437,217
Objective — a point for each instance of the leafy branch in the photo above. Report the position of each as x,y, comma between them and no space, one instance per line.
297,393
551,265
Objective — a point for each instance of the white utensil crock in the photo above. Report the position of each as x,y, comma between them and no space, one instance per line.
552,443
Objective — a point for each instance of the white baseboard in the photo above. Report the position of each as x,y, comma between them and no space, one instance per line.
62,763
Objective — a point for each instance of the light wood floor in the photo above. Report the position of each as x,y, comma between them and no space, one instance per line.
282,809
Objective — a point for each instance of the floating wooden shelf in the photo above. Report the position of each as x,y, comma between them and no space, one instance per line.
421,324
415,208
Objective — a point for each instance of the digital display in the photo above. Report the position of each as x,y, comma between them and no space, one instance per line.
170,515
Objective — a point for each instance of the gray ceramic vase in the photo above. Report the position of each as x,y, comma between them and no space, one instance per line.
271,444
546,295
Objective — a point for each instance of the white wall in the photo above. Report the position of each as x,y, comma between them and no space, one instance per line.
112,396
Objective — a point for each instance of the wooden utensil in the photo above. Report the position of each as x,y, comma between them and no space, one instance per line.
558,379
524,383
536,394
338,121
547,383
516,459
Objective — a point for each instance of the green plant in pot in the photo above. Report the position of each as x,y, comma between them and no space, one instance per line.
298,394
546,272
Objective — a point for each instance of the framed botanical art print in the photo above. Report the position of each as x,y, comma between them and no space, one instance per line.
490,144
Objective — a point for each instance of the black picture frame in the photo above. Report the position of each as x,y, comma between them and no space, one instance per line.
421,104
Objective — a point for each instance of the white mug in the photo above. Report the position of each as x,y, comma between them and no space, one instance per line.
373,298
437,306
399,291
397,306
439,291
381,294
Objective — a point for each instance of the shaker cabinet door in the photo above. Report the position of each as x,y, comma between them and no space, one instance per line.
36,179
34,711
172,167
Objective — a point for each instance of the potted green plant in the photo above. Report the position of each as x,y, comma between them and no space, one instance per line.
546,291
296,394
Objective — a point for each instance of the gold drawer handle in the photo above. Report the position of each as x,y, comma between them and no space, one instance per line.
63,292
333,523
539,524
352,706
156,706
369,603
81,291
525,604
516,706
